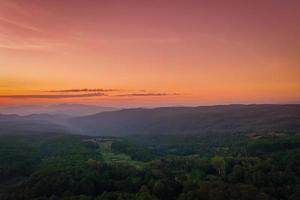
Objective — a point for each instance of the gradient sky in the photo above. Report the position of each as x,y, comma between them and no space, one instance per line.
149,52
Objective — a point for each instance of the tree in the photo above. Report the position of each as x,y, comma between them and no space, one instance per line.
218,163
94,164
144,194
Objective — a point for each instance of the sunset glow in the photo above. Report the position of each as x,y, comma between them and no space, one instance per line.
146,53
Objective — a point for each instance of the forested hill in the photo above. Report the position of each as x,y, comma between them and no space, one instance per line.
193,120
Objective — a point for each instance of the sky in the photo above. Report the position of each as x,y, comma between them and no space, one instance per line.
149,52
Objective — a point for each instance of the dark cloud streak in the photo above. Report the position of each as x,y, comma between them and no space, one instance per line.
58,96
146,94
83,90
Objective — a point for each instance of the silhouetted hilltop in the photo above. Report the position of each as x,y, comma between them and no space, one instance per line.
193,120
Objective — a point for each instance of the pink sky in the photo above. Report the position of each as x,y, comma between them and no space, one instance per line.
150,52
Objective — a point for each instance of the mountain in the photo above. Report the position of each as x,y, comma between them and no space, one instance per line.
22,125
9,117
192,120
56,109
32,124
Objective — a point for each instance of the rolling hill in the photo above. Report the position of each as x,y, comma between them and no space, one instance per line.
74,110
193,120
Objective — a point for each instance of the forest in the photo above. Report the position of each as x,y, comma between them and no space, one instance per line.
56,166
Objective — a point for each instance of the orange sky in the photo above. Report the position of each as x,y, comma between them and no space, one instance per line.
141,52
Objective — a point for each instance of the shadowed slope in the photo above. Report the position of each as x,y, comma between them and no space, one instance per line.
193,120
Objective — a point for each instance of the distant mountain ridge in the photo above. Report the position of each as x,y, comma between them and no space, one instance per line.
32,124
56,109
193,120
222,119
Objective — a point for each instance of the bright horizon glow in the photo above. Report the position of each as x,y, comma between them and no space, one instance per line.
149,53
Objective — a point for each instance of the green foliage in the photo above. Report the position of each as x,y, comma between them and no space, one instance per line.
69,167
134,151
218,163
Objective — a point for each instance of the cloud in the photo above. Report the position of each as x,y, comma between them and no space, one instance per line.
20,25
23,47
83,90
139,40
146,94
14,42
58,96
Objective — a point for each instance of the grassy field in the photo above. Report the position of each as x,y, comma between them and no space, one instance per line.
121,158
110,157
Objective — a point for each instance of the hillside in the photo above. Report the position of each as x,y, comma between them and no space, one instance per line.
36,123
193,120
74,110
